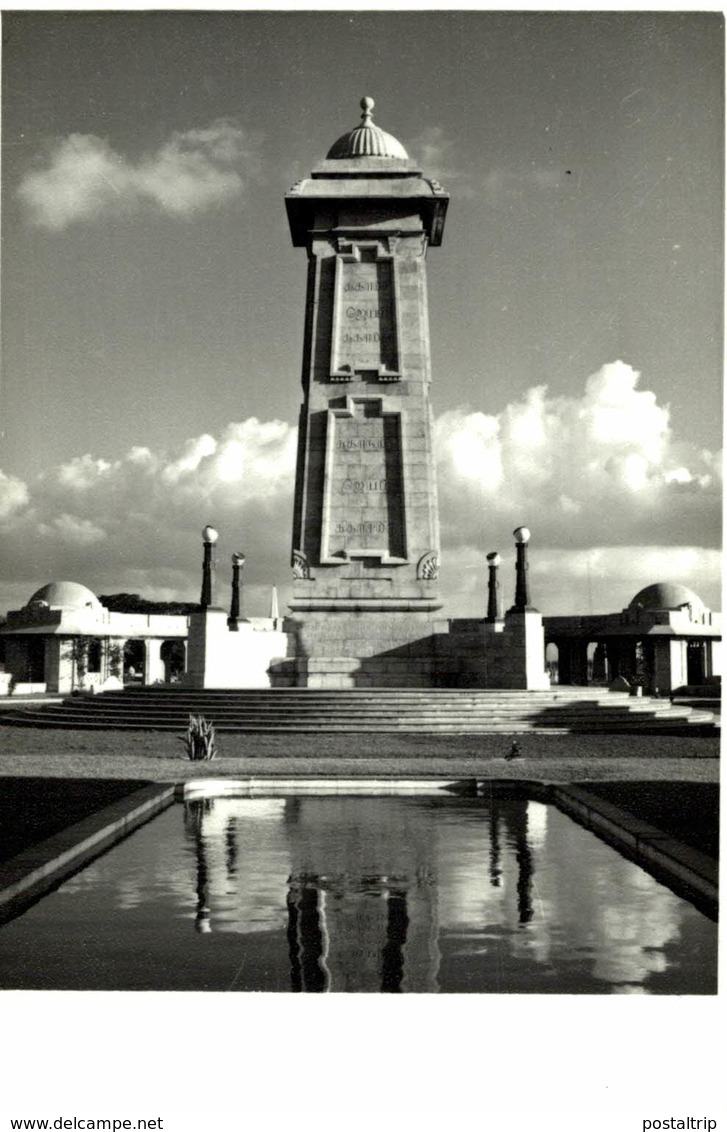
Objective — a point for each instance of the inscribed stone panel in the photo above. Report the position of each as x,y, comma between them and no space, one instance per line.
364,494
365,334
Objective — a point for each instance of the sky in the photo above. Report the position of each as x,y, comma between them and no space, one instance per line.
153,304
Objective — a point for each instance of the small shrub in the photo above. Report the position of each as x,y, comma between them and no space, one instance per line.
200,739
115,655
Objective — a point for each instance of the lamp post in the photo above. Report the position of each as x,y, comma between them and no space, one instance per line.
209,538
238,561
494,612
522,590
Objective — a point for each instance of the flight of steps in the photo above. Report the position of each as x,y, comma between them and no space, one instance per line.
429,711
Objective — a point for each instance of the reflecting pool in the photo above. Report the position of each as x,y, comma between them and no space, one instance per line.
504,896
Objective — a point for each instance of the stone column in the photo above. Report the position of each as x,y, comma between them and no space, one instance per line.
153,664
238,561
522,589
67,679
494,605
209,538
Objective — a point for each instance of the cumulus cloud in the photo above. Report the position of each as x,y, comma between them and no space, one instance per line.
435,149
595,579
72,530
614,499
601,469
516,179
13,496
82,178
133,524
510,185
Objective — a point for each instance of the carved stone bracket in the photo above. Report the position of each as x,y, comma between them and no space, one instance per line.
428,566
300,564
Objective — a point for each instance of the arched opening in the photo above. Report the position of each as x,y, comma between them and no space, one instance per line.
598,672
551,661
93,656
644,665
598,663
35,663
696,667
174,658
134,672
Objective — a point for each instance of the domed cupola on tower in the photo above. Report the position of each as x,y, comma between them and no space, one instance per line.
366,140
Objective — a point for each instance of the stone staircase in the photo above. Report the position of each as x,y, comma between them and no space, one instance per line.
429,711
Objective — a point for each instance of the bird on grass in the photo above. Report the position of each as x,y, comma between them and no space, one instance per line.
514,752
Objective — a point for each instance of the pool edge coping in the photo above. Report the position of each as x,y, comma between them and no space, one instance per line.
642,842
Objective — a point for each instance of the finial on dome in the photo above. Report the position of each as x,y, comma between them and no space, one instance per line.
367,104
366,140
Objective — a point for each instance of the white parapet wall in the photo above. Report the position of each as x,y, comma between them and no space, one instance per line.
219,656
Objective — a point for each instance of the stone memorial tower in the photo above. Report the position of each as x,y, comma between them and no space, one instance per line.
365,528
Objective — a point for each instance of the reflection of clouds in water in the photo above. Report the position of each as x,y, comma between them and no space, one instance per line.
537,824
218,812
129,894
635,934
389,881
534,941
87,878
615,917
615,913
251,901
233,835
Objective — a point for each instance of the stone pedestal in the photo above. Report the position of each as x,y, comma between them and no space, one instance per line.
220,658
515,652
508,654
400,650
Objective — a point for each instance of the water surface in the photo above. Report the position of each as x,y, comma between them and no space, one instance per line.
389,895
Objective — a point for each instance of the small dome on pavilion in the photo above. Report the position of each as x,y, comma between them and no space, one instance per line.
64,595
666,595
366,140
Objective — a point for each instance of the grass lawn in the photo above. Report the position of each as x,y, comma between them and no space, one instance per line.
50,779
32,809
689,811
159,756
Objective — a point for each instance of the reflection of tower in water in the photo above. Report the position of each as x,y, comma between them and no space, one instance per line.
495,847
306,942
354,882
370,922
512,816
194,814
515,821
